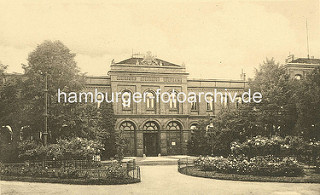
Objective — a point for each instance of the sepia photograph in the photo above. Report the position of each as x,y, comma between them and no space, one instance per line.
160,97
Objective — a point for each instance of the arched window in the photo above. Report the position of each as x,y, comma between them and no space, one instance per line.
150,126
298,76
126,100
194,127
173,126
173,101
210,103
127,126
150,101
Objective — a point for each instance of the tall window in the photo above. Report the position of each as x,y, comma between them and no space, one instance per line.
194,104
127,100
173,101
210,103
150,101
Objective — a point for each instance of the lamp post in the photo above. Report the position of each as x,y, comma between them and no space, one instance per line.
45,133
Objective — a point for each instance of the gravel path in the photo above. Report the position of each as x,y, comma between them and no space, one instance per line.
164,180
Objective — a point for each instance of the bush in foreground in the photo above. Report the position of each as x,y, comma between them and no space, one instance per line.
262,166
74,148
113,171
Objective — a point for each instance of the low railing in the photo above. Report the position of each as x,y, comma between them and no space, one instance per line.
185,163
83,168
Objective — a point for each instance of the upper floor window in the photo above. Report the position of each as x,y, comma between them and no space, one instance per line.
150,101
194,104
127,100
173,101
210,103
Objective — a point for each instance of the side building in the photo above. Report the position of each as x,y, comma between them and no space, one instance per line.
300,67
153,127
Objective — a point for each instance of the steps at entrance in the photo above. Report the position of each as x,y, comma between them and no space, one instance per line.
163,160
152,161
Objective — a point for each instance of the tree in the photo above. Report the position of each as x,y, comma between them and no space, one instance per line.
307,97
54,60
106,124
276,113
199,143
9,112
228,126
2,70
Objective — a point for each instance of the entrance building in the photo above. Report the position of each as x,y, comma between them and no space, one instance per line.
152,127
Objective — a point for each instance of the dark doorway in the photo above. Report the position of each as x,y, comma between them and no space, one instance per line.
150,144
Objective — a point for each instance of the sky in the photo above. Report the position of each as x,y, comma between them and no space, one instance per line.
214,39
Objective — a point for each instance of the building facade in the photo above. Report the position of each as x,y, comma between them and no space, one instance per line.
300,67
152,127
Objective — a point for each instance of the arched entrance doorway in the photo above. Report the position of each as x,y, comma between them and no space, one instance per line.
174,138
129,131
151,139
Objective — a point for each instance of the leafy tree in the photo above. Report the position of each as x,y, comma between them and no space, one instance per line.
307,97
54,60
9,112
276,113
106,124
199,143
10,106
120,143
228,126
2,70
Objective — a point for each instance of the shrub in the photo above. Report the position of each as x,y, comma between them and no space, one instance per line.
113,171
263,166
68,173
277,146
75,148
117,171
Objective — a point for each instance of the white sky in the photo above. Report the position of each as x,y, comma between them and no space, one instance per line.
215,39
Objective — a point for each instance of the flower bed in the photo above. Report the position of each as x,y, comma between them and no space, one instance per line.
197,172
262,166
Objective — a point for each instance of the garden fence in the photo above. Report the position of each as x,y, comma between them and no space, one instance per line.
94,169
185,163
